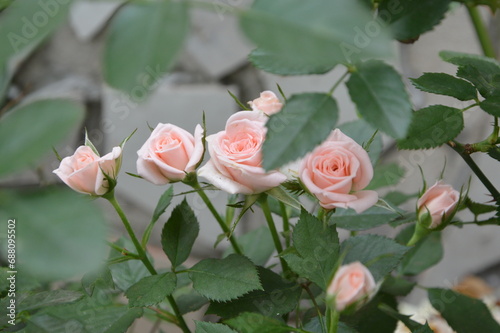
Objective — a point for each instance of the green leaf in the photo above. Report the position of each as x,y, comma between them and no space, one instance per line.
54,119
314,260
277,298
445,84
432,127
257,245
282,65
413,325
408,19
89,315
101,277
315,326
156,30
320,33
379,254
127,273
372,217
48,298
361,132
477,208
304,122
236,273
491,105
463,314
370,319
204,327
280,194
179,233
58,225
482,72
386,175
397,198
190,302
380,97
151,290
163,203
397,286
250,322
425,254
24,25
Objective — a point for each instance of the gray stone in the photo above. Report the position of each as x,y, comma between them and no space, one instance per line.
88,18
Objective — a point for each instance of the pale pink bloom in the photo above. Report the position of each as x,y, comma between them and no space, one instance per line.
236,157
84,170
337,171
169,153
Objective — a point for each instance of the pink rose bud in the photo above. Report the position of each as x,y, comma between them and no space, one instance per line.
352,284
337,171
236,158
169,153
267,103
437,205
85,171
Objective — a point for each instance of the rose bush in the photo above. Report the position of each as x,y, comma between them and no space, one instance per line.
236,157
169,153
336,173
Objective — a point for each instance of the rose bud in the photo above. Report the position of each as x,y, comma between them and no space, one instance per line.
268,103
236,157
435,209
353,284
337,171
169,154
87,173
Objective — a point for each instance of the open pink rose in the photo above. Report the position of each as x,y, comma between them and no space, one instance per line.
440,200
169,153
84,171
337,171
352,283
236,158
267,103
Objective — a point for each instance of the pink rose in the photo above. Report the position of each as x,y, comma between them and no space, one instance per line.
352,283
336,172
236,158
440,200
169,153
267,103
84,171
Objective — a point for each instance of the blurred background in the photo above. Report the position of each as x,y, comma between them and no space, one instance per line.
213,61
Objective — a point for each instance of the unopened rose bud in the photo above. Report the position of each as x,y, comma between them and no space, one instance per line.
268,103
353,284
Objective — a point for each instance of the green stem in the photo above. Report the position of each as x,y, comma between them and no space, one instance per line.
333,319
123,251
274,233
459,148
144,258
286,224
339,81
217,216
318,310
481,31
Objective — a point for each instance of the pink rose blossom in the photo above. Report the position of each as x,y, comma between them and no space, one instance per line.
337,171
169,153
84,170
352,283
440,200
267,103
236,158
